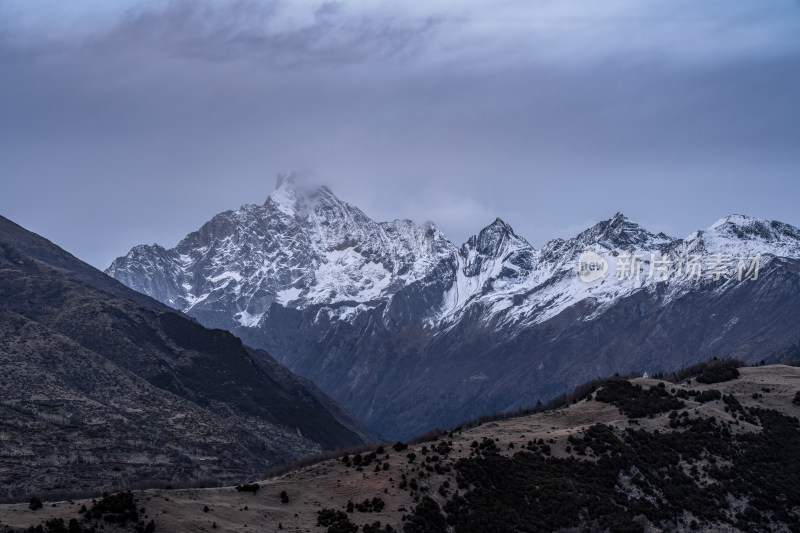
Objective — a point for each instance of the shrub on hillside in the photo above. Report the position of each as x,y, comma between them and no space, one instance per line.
375,505
116,508
248,487
427,518
635,401
336,521
35,504
376,528
718,373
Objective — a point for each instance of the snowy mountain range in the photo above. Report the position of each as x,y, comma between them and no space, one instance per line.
384,315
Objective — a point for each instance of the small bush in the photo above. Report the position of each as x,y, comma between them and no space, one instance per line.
117,508
443,448
427,518
376,528
336,521
35,504
248,487
708,396
375,505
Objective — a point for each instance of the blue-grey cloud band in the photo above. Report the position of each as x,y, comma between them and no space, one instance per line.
137,125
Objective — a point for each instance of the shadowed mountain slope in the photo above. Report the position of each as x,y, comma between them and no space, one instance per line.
101,385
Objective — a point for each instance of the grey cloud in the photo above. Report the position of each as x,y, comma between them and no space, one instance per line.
143,130
252,31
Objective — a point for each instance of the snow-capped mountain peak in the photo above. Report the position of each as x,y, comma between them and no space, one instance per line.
496,251
305,247
294,197
285,196
745,236
751,228
735,220
493,238
619,232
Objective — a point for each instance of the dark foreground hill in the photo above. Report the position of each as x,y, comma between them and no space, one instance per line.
102,387
633,456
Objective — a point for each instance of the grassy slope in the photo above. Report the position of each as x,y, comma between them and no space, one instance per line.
583,471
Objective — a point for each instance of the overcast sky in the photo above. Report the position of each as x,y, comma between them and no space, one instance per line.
132,122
